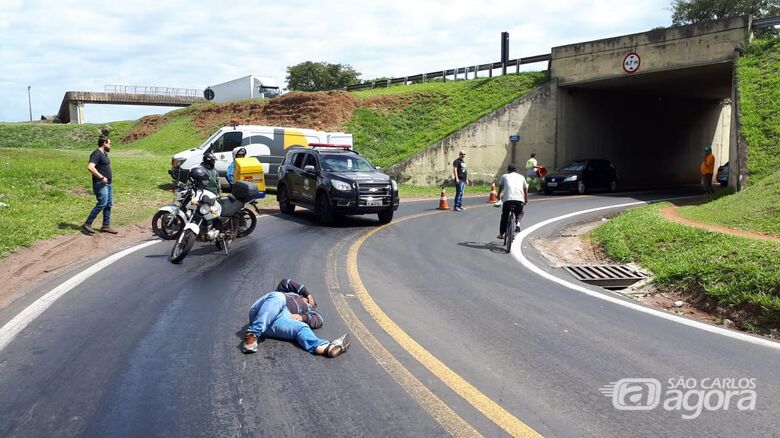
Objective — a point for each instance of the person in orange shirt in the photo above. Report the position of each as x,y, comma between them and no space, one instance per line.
707,168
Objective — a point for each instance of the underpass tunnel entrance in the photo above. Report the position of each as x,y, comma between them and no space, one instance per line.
653,127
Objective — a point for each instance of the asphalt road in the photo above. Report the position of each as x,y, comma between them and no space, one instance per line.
451,336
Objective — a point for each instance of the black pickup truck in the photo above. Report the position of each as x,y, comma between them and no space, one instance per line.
334,180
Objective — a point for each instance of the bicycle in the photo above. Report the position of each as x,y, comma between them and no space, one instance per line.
512,224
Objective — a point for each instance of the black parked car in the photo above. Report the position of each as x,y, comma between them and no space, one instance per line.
334,180
723,175
579,176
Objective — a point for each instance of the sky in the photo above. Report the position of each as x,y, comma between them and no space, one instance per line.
73,45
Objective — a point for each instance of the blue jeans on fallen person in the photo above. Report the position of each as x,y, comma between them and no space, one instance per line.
459,186
105,200
269,317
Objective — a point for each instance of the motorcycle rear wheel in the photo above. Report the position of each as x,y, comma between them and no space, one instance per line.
166,225
182,246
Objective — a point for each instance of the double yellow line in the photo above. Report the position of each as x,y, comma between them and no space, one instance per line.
451,422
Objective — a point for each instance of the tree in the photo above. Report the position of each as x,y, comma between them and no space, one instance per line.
692,11
320,76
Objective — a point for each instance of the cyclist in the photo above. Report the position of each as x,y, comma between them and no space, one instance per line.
514,189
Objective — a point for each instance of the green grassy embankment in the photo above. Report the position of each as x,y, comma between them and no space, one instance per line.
433,111
44,181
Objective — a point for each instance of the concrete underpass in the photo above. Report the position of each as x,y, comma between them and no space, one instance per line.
652,127
652,118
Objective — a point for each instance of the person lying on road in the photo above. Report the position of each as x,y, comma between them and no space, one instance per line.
288,313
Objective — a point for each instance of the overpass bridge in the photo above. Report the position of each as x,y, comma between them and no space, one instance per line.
72,106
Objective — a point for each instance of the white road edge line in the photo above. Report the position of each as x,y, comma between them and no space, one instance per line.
620,302
13,327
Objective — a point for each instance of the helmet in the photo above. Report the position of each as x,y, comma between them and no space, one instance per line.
240,151
209,160
511,168
198,176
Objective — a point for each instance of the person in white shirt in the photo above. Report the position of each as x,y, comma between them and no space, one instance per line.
513,193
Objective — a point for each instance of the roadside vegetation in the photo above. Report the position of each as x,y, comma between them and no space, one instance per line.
44,182
736,277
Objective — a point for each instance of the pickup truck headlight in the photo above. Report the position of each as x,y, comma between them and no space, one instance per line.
341,185
571,178
394,185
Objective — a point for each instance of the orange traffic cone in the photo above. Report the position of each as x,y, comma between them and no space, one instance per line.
443,201
493,195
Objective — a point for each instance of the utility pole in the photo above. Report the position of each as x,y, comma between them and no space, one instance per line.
29,102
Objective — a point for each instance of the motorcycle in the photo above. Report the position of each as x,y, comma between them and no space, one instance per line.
213,219
169,220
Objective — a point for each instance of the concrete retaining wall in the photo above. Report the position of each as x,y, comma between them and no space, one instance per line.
486,142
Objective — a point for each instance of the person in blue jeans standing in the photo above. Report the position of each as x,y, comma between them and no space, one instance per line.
288,313
100,168
460,174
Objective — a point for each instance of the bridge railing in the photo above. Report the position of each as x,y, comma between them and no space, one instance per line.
454,72
155,91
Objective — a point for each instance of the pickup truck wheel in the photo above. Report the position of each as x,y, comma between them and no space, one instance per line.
613,186
285,206
386,216
324,210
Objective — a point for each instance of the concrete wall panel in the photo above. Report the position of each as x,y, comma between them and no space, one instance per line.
487,145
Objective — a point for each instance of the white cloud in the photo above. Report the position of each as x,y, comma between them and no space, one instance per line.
81,45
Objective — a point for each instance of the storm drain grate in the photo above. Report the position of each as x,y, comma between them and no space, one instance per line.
606,276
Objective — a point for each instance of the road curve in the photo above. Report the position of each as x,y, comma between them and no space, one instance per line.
148,348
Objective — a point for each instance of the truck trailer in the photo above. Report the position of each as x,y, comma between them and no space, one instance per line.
248,87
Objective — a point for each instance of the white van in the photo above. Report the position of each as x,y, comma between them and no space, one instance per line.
267,143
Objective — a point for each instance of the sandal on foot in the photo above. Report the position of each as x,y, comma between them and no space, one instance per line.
337,346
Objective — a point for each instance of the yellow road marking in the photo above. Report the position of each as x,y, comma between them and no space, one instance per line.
472,395
434,406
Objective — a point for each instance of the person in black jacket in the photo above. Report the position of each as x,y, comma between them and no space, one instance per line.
100,168
289,313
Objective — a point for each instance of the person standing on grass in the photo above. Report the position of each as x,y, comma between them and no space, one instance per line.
707,168
460,173
100,168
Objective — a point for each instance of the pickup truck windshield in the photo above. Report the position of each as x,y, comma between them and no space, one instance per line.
345,163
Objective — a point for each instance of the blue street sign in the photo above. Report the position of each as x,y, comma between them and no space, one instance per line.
514,138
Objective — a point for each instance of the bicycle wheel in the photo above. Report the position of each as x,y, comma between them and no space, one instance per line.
509,232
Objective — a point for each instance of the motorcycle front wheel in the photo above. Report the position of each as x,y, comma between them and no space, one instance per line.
182,246
247,221
166,225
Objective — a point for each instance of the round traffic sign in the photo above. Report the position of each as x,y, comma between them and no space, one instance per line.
631,62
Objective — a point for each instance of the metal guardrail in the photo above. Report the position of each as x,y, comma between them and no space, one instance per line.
766,22
155,91
422,77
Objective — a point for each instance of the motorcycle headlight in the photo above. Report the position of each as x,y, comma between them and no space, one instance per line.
204,209
571,178
341,185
